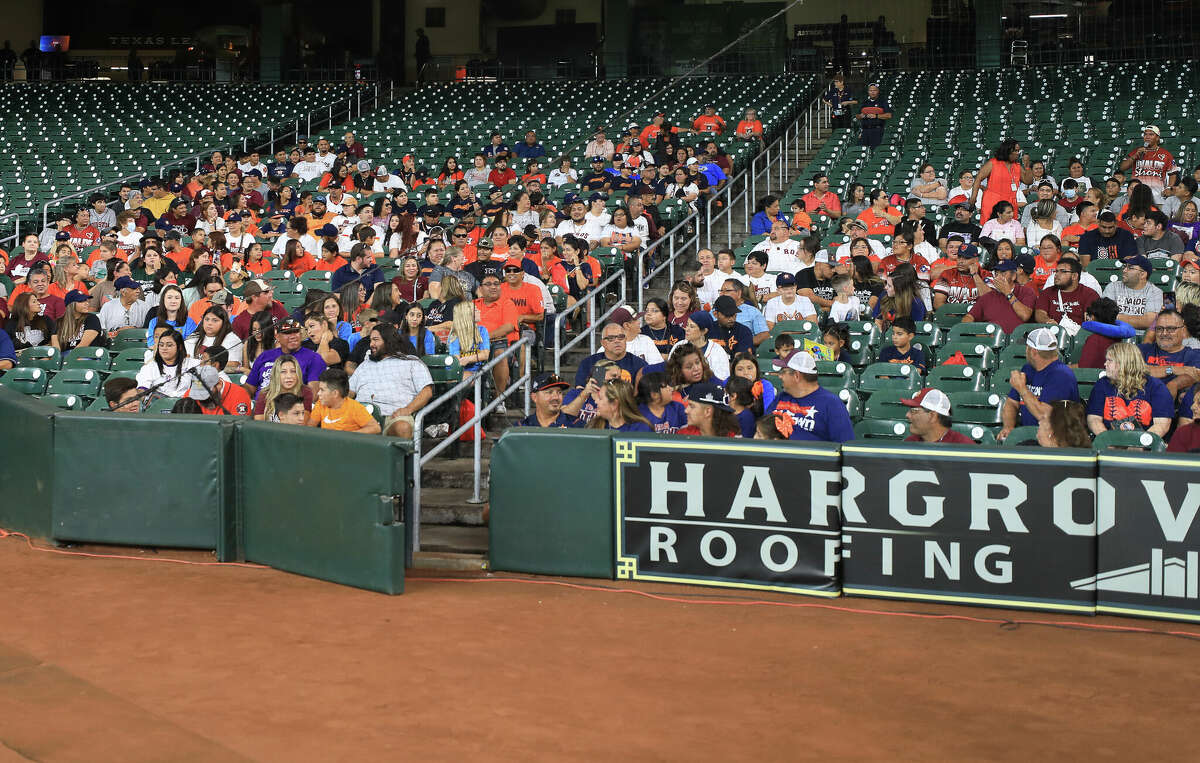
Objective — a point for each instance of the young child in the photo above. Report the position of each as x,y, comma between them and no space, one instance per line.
290,409
655,402
846,306
784,344
336,410
901,350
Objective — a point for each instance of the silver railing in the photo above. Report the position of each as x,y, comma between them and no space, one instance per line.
673,253
797,137
14,240
351,107
477,379
589,332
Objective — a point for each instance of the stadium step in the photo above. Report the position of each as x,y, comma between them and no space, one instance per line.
449,506
448,561
458,540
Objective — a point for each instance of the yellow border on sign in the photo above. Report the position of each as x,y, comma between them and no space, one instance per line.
966,455
1015,603
626,566
1160,461
1151,613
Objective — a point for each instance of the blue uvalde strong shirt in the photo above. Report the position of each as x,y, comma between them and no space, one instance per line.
1054,382
820,415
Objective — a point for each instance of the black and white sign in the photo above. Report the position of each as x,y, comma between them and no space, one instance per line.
1149,552
1014,529
732,513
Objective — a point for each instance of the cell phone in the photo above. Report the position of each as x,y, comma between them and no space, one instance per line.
600,375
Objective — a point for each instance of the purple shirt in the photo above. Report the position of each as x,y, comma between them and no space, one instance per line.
311,366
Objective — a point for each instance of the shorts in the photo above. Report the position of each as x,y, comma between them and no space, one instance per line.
393,418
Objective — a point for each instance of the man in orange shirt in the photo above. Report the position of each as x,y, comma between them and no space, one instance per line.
217,397
501,319
820,199
750,128
336,410
709,121
319,214
1088,214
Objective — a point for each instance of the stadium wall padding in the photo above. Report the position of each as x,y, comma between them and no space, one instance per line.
153,480
551,501
26,463
324,504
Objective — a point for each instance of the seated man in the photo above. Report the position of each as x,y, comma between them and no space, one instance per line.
547,397
1139,300
216,396
334,410
1166,357
1008,303
393,379
1043,380
929,419
965,283
616,352
804,410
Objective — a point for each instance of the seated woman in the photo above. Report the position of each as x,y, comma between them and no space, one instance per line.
1065,426
928,187
695,333
468,340
1127,398
165,374
616,409
709,413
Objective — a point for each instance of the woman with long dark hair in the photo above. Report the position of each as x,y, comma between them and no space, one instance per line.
172,311
260,338
902,297
27,327
215,331
166,373
79,327
421,338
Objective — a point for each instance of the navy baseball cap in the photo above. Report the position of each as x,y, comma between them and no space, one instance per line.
62,235
598,159
1026,262
234,218
597,196
75,295
571,198
969,251
703,320
327,230
125,282
785,279
725,305
709,394
1006,266
543,382
1138,261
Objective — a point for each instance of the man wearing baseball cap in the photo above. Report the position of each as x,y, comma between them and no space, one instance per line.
1152,164
964,283
547,397
804,409
709,122
728,333
128,310
961,226
929,419
1041,381
217,397
858,230
595,179
385,182
290,336
1006,303
1139,300
258,295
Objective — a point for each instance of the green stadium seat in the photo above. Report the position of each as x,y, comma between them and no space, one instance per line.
881,429
977,354
977,432
854,405
444,369
84,382
28,380
885,404
1086,378
1021,436
878,376
65,402
1125,440
834,374
128,338
989,333
47,358
950,314
955,379
96,358
161,405
976,407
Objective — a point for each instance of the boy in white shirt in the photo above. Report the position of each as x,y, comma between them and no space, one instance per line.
761,282
788,306
846,306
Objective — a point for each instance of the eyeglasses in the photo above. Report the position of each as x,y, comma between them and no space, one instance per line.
613,338
1161,327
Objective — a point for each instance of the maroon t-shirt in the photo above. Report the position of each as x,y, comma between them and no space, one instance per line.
1185,440
994,307
241,324
1075,302
951,436
1094,349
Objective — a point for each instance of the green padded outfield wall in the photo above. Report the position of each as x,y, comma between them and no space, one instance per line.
152,480
324,504
552,503
26,463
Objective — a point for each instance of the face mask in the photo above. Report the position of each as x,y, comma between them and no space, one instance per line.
1069,193
131,226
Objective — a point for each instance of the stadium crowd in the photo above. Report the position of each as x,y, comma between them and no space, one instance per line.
478,254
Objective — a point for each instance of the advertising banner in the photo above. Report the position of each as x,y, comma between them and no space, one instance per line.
729,513
1148,560
1012,527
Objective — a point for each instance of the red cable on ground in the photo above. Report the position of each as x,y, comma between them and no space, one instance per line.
655,596
29,541
815,605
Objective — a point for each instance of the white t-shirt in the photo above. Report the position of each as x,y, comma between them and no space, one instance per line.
326,161
762,286
843,251
208,227
852,310
231,343
128,242
598,221
306,241
521,219
783,257
711,288
245,167
644,347
583,230
240,243
558,177
309,171
800,309
392,183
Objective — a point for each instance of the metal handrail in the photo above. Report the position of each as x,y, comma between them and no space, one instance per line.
419,459
668,238
590,331
196,157
15,238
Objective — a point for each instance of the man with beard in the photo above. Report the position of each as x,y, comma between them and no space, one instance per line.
547,397
394,379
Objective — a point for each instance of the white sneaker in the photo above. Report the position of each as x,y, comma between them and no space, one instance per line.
437,430
500,409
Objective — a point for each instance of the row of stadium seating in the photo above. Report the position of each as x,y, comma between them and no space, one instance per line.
955,119
61,138
457,119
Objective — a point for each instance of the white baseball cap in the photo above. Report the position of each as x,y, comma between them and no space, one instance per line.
931,399
797,360
1042,339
